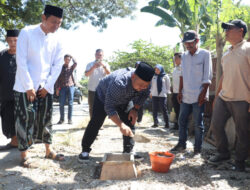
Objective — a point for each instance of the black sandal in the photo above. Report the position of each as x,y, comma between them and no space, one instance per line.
26,163
54,156
7,147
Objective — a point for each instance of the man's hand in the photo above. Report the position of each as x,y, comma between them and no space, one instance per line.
202,97
132,116
179,97
57,91
126,131
31,95
42,93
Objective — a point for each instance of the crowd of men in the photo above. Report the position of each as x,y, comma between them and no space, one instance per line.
35,65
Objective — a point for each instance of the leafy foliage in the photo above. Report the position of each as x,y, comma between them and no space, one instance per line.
184,14
143,51
18,13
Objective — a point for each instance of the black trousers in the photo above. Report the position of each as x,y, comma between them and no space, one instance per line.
140,114
160,103
7,116
176,105
96,123
222,111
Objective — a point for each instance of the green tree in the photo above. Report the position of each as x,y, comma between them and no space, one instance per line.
223,11
18,13
184,14
143,51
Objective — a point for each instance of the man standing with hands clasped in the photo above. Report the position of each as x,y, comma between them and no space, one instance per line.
39,62
7,80
196,75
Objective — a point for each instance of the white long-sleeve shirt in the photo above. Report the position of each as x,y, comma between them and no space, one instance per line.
196,70
165,86
176,78
39,59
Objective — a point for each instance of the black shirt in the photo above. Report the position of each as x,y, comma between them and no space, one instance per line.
7,75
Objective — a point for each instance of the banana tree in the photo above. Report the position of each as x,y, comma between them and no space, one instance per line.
223,11
184,14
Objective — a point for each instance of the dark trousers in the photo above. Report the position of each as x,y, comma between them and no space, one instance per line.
176,105
140,114
91,97
198,112
66,92
96,123
160,103
7,116
223,110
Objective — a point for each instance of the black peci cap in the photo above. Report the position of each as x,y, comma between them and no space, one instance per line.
53,10
145,71
12,33
237,23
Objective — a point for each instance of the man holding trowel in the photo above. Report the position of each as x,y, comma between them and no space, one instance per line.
112,97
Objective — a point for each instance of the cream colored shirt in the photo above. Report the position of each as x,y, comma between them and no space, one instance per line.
236,72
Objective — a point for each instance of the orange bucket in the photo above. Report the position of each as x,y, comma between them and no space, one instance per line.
161,161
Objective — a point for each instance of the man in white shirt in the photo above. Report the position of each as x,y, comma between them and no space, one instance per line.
95,70
196,76
39,58
175,87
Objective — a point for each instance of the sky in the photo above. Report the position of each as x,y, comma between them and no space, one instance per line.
121,32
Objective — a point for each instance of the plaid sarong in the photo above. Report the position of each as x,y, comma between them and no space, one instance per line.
33,120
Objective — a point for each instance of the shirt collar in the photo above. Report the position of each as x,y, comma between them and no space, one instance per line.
196,52
237,45
41,31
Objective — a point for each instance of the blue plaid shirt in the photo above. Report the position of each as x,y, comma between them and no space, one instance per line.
116,90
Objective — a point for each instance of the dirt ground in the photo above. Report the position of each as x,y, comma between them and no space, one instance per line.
186,172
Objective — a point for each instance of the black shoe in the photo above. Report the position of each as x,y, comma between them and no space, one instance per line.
154,126
239,166
60,122
176,126
83,157
196,152
166,126
70,122
138,157
219,157
178,148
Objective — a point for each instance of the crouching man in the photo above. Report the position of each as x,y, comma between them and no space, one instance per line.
112,96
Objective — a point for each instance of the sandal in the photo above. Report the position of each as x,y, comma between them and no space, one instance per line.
7,147
54,156
25,163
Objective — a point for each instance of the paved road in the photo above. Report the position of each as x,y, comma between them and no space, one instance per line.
78,112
